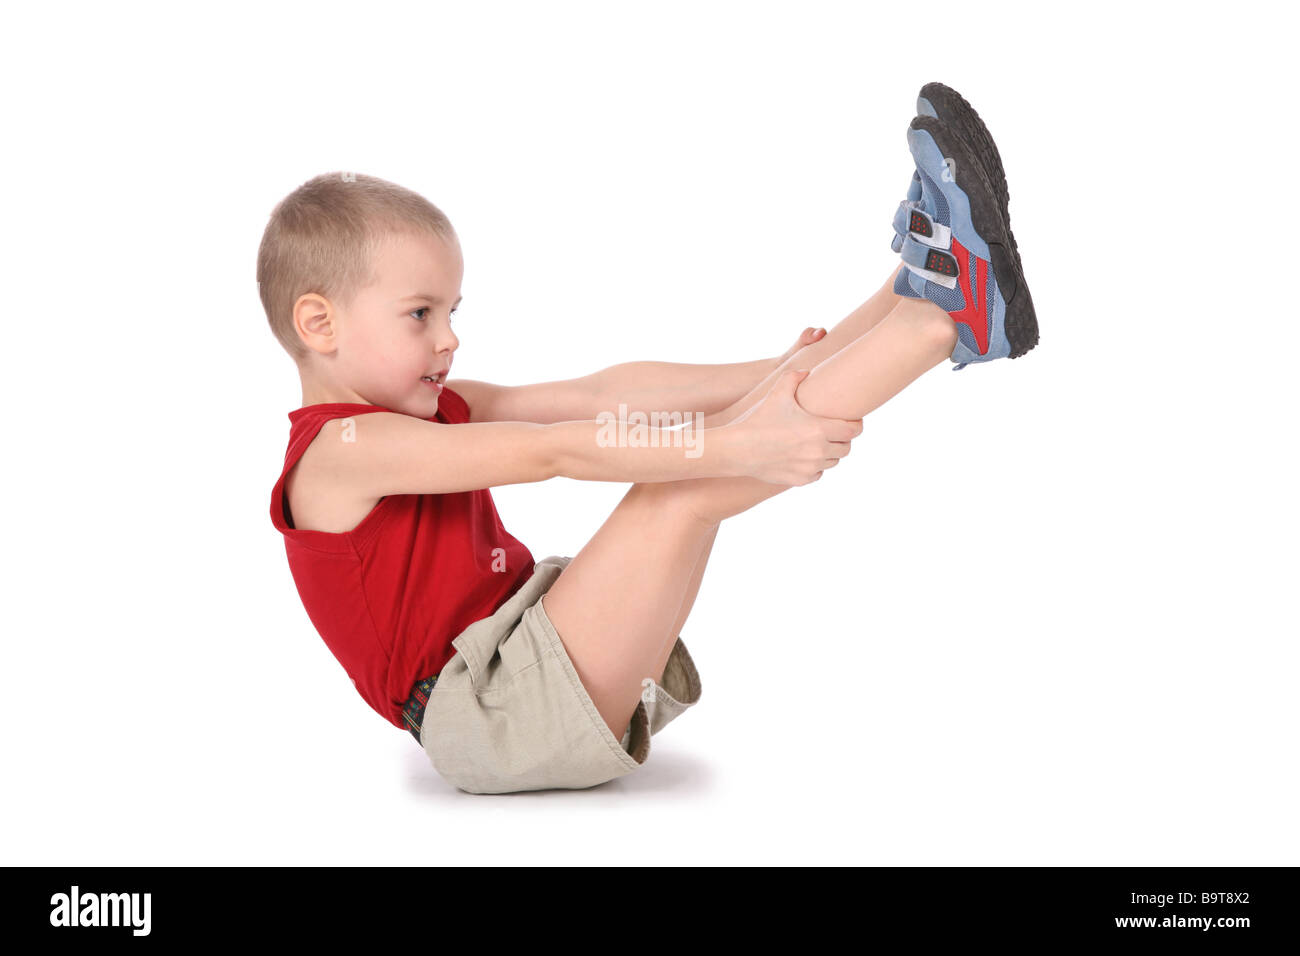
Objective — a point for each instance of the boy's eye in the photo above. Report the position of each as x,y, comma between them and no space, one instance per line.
423,310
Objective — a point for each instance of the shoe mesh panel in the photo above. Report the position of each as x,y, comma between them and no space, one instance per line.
988,288
966,336
933,193
950,300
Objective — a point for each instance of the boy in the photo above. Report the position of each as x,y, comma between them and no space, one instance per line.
522,675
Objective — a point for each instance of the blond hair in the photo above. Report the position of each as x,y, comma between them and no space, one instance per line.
323,236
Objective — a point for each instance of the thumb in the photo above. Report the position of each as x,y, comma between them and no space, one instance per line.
791,379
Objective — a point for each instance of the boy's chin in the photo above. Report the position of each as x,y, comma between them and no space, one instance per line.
424,407
418,405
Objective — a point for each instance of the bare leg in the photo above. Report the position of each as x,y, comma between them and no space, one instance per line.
619,598
858,322
688,602
915,336
620,603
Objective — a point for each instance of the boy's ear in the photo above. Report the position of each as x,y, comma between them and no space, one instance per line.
314,320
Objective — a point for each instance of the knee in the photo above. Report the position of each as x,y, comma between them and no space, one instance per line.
669,498
690,503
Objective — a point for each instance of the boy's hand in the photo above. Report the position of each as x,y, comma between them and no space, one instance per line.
778,442
808,337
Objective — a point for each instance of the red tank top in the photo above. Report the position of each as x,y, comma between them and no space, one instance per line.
389,596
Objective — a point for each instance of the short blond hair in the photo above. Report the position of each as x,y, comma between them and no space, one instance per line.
323,237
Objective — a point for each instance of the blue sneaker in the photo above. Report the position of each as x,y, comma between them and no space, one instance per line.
956,250
946,104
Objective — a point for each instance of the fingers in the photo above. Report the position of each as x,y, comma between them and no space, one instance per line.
789,381
790,385
838,429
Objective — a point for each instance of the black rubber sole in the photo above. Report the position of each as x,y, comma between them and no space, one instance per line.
960,116
955,111
988,210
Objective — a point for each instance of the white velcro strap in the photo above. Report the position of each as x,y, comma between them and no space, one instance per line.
924,260
948,282
911,218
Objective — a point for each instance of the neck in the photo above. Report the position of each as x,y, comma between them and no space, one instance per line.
316,391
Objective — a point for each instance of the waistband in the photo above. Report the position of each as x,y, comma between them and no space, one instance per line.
413,710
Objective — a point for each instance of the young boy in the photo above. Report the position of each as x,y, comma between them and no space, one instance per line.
433,608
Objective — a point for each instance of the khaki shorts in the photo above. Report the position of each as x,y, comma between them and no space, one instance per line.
509,713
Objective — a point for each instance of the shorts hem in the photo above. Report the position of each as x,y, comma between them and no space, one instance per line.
627,761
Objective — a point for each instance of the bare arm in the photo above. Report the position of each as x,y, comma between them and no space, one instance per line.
614,450
674,387
392,454
622,390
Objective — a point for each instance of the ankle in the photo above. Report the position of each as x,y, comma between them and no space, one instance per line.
887,289
931,321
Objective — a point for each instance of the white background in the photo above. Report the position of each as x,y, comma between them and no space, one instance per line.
1043,614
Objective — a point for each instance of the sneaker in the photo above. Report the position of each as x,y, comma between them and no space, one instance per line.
956,250
946,104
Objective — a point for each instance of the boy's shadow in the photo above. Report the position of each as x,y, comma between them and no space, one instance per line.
666,771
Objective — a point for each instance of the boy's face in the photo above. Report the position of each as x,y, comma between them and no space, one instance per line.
398,329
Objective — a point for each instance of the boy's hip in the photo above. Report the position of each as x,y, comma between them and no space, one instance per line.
480,636
509,712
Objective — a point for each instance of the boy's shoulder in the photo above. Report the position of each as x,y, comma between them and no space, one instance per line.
317,500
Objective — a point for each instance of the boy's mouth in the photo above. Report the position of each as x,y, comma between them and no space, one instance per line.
435,380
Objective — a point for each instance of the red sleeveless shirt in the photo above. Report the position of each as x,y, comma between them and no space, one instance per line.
389,596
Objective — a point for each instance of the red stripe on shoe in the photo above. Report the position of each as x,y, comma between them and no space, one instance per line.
975,314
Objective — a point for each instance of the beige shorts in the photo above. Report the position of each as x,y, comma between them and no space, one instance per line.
509,713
